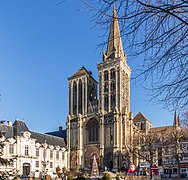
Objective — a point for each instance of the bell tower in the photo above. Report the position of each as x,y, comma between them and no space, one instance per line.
82,102
98,123
114,98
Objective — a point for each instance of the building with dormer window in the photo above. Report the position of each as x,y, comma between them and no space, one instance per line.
31,151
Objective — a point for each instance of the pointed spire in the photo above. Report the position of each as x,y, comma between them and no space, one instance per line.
176,120
114,47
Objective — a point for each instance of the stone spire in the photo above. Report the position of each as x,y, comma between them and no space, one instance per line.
176,120
114,47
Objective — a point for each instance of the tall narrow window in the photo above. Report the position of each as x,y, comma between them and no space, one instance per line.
105,75
69,98
112,87
11,149
80,97
26,150
113,101
106,87
37,164
51,164
74,98
51,154
63,155
57,155
37,152
106,102
93,134
112,74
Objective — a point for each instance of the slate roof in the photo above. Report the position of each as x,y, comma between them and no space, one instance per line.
62,133
19,127
52,140
8,130
80,72
163,129
139,117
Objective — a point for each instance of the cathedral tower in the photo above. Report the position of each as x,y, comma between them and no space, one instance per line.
82,105
98,122
114,100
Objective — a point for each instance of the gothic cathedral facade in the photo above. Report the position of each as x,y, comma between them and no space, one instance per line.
98,122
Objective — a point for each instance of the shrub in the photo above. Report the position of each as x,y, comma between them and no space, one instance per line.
106,176
70,177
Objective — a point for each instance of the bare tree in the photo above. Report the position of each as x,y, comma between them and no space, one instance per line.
184,121
157,30
173,146
2,160
144,147
164,147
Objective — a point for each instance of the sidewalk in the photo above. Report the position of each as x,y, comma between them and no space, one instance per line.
175,178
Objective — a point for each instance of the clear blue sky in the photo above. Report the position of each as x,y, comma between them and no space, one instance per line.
41,45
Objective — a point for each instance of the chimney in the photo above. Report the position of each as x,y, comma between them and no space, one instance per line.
60,128
9,123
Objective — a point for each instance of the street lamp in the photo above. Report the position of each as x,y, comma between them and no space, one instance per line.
44,163
130,124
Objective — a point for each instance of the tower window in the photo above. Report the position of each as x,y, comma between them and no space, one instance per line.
113,101
105,75
112,87
106,87
74,98
105,102
112,74
92,127
80,97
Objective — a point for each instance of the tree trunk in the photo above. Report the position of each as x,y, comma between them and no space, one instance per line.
178,168
150,171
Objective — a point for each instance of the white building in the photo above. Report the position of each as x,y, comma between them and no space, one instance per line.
31,151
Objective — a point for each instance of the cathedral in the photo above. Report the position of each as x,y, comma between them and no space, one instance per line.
98,123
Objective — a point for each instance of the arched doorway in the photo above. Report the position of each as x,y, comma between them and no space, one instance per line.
110,165
26,168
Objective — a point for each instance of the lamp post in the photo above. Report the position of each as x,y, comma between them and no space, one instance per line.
44,163
130,138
